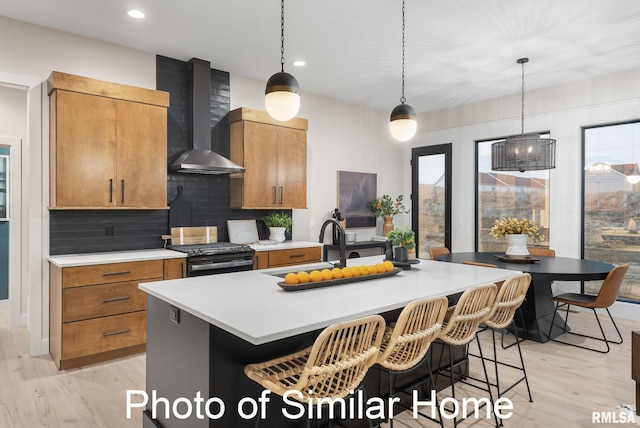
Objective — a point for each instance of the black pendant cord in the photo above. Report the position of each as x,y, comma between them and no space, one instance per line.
282,35
522,120
402,99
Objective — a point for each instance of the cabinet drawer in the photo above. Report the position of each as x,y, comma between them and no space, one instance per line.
113,272
98,335
294,256
93,301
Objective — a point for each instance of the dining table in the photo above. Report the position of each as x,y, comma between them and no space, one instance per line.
538,308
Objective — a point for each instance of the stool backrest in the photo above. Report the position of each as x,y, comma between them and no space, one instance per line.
474,306
510,296
547,252
434,252
416,328
341,356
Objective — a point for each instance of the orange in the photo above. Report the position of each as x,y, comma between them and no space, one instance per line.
347,272
388,266
291,278
355,271
315,276
326,274
379,268
337,273
303,277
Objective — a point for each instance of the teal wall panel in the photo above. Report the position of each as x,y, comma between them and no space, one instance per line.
4,250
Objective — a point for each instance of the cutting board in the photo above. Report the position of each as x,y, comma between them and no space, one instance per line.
193,235
179,211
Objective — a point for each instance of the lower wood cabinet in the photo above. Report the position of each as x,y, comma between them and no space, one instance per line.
286,257
97,312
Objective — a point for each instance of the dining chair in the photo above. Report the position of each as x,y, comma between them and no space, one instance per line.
508,300
547,252
461,327
407,341
434,252
333,367
606,297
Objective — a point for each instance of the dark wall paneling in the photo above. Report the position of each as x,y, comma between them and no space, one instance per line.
84,231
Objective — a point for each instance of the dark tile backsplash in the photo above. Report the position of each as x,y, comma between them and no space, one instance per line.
85,231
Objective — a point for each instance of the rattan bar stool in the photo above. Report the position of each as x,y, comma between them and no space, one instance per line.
460,328
333,367
606,297
407,341
509,299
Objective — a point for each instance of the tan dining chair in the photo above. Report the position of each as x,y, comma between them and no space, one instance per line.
461,327
434,252
546,252
508,300
407,341
603,300
333,367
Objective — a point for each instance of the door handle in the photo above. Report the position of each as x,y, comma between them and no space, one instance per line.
111,190
122,190
274,195
281,195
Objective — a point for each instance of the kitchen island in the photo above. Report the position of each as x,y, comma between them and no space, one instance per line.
202,331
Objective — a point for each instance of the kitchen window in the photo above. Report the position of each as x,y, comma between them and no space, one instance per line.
508,194
611,201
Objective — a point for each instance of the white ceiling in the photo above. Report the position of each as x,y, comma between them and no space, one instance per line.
457,51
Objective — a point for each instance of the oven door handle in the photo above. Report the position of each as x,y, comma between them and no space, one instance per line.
220,265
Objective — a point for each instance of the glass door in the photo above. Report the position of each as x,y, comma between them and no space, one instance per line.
431,197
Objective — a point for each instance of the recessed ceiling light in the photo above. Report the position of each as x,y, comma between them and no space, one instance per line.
299,63
134,13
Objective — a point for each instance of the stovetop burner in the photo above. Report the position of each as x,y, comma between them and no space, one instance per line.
211,248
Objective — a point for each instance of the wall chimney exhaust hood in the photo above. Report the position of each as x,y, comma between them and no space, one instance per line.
200,159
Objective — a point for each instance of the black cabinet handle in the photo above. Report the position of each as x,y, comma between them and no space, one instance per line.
124,272
122,191
116,299
274,195
281,195
295,256
116,332
111,190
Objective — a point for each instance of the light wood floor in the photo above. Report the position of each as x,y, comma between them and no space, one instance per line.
567,384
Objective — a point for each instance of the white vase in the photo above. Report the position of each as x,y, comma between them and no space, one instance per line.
517,244
277,234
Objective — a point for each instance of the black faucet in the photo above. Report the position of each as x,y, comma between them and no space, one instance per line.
342,239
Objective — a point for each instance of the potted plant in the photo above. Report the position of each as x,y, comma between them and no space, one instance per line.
386,207
278,223
517,232
403,239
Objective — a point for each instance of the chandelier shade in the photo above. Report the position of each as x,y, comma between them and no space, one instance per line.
524,152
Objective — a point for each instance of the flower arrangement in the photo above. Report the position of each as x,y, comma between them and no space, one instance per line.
508,226
385,206
276,219
402,237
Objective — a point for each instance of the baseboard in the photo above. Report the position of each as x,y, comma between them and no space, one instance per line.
623,310
4,305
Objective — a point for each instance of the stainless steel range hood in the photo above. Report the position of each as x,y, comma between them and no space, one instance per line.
200,159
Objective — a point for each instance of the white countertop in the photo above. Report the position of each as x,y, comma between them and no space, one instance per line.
253,307
286,245
68,260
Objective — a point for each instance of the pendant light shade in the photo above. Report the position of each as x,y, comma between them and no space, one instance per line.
403,123
281,97
525,152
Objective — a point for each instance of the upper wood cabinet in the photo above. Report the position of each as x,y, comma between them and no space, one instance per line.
274,155
108,144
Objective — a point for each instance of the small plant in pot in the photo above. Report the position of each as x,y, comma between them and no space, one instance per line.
403,239
278,223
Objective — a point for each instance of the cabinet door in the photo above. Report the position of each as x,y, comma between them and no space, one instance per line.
142,156
261,164
175,268
85,150
292,168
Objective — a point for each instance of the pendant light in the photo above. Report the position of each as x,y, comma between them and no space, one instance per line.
525,152
403,122
281,96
